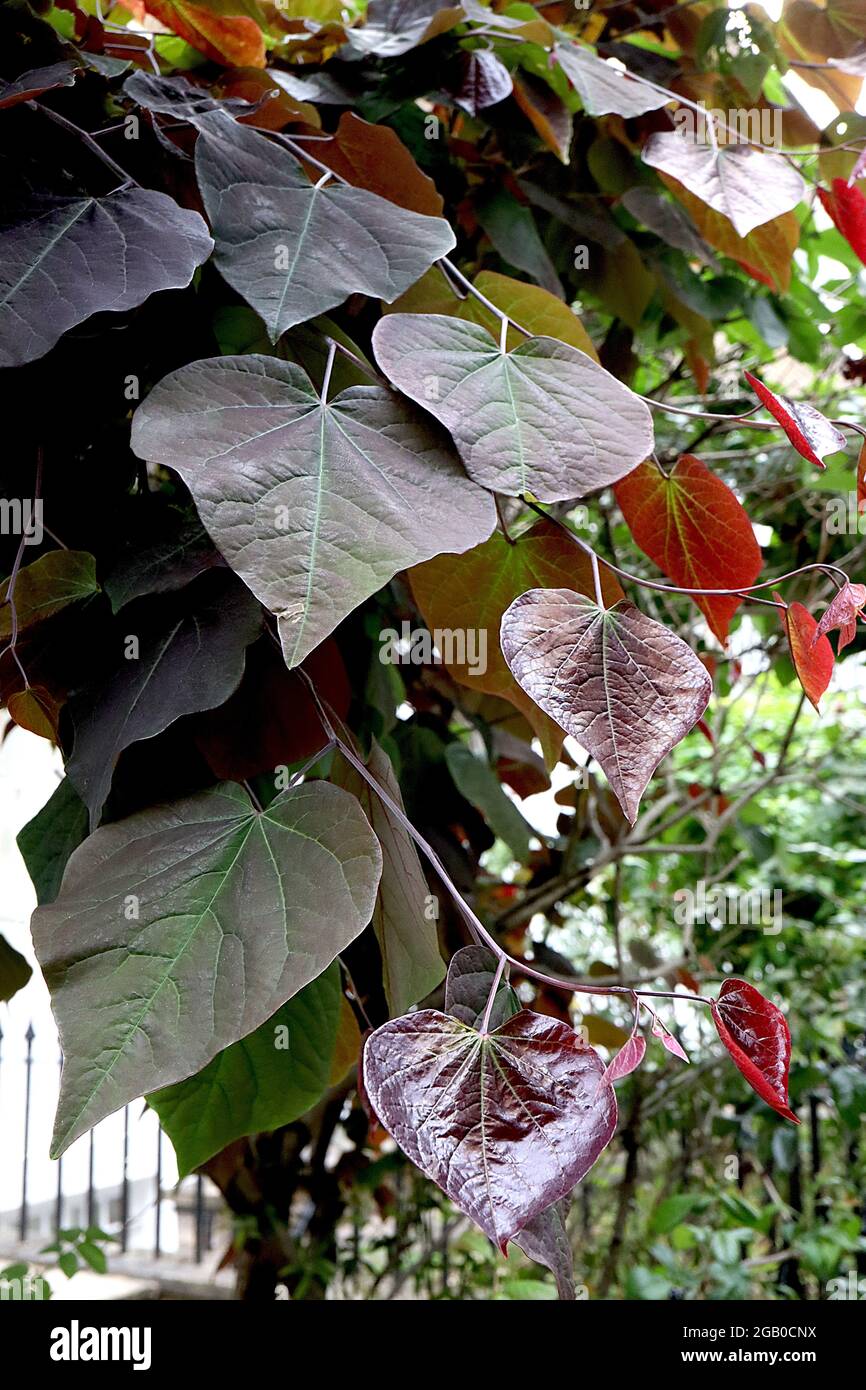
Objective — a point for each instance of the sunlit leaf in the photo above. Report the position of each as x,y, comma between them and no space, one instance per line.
813,664
756,1034
746,185
809,431
842,612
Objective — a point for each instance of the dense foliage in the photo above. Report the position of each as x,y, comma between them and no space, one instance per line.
402,392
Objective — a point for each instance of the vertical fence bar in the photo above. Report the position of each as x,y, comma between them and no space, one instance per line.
58,1201
28,1066
158,1190
91,1212
124,1191
199,1217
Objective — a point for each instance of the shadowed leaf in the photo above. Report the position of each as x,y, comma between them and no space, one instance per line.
46,586
546,1241
468,985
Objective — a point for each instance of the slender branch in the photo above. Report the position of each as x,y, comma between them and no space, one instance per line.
85,138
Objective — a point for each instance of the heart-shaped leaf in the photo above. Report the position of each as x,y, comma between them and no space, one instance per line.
393,27
484,80
546,1241
408,942
223,34
46,586
474,590
812,663
625,687
544,418
314,505
307,246
63,259
266,1080
202,910
756,1034
842,612
809,431
692,526
604,89
506,1123
846,205
190,656
467,988
746,185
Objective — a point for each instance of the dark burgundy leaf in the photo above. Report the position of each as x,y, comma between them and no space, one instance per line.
545,1240
484,80
468,986
625,687
505,1123
842,613
756,1034
809,431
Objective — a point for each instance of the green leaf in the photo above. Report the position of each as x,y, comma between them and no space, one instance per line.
93,1256
46,586
308,246
266,1080
411,964
47,841
511,227
185,927
476,780
68,1263
316,506
545,418
673,1210
14,970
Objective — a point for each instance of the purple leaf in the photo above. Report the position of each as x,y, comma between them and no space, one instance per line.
627,1059
545,1240
625,687
748,186
506,1123
484,80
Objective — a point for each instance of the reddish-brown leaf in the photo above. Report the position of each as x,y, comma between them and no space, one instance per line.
812,663
756,1034
692,526
809,431
627,1059
233,39
842,613
847,207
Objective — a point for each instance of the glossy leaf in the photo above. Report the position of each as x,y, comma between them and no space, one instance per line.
693,527
47,841
605,89
756,1034
202,909
267,1079
393,27
471,973
626,688
544,418
842,612
190,657
809,431
315,506
310,245
63,259
411,962
846,205
474,590
746,185
506,1124
627,1060
813,664
546,1241
46,586
223,37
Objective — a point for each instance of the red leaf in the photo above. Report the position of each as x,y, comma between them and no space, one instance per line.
809,431
231,39
630,1056
668,1040
756,1034
692,526
847,207
813,664
842,613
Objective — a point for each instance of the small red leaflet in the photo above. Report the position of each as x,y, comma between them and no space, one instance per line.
847,208
842,613
809,431
668,1040
811,652
630,1056
756,1034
